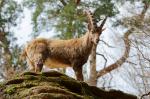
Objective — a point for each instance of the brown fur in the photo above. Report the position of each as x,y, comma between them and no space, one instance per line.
61,53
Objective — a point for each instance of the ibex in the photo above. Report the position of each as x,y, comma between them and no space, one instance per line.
63,53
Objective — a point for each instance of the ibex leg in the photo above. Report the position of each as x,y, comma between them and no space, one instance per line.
39,61
31,65
78,72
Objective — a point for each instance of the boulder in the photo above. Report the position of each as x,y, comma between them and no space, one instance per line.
54,85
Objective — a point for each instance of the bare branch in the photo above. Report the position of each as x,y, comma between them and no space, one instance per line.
120,61
2,76
142,97
63,2
146,6
123,59
130,62
103,57
107,44
142,54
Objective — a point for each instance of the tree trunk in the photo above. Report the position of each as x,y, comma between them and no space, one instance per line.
93,73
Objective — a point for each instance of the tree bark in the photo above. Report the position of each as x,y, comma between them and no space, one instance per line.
93,72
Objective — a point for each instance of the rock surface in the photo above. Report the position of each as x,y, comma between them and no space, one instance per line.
54,85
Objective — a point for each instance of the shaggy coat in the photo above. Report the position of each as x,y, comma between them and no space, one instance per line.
62,53
58,53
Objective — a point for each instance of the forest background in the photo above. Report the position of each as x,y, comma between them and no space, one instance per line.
123,52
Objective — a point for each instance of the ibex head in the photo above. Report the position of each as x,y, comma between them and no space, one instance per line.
94,30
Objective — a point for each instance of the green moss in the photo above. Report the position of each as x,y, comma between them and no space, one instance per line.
30,73
15,81
30,77
53,85
52,74
1,85
14,87
10,90
53,96
72,85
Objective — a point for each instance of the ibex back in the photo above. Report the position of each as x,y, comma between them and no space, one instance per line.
63,53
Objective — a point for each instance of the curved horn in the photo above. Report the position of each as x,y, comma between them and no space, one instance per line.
91,21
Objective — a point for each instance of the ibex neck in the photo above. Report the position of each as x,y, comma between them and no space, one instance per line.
86,42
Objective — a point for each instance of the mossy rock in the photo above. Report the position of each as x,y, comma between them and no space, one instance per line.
54,85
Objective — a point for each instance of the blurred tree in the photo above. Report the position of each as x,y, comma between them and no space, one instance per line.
140,49
9,60
66,15
135,59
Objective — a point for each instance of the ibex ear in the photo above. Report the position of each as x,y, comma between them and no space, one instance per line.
103,22
101,29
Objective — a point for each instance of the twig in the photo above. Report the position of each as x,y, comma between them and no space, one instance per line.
131,62
63,2
107,44
103,57
2,76
145,95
